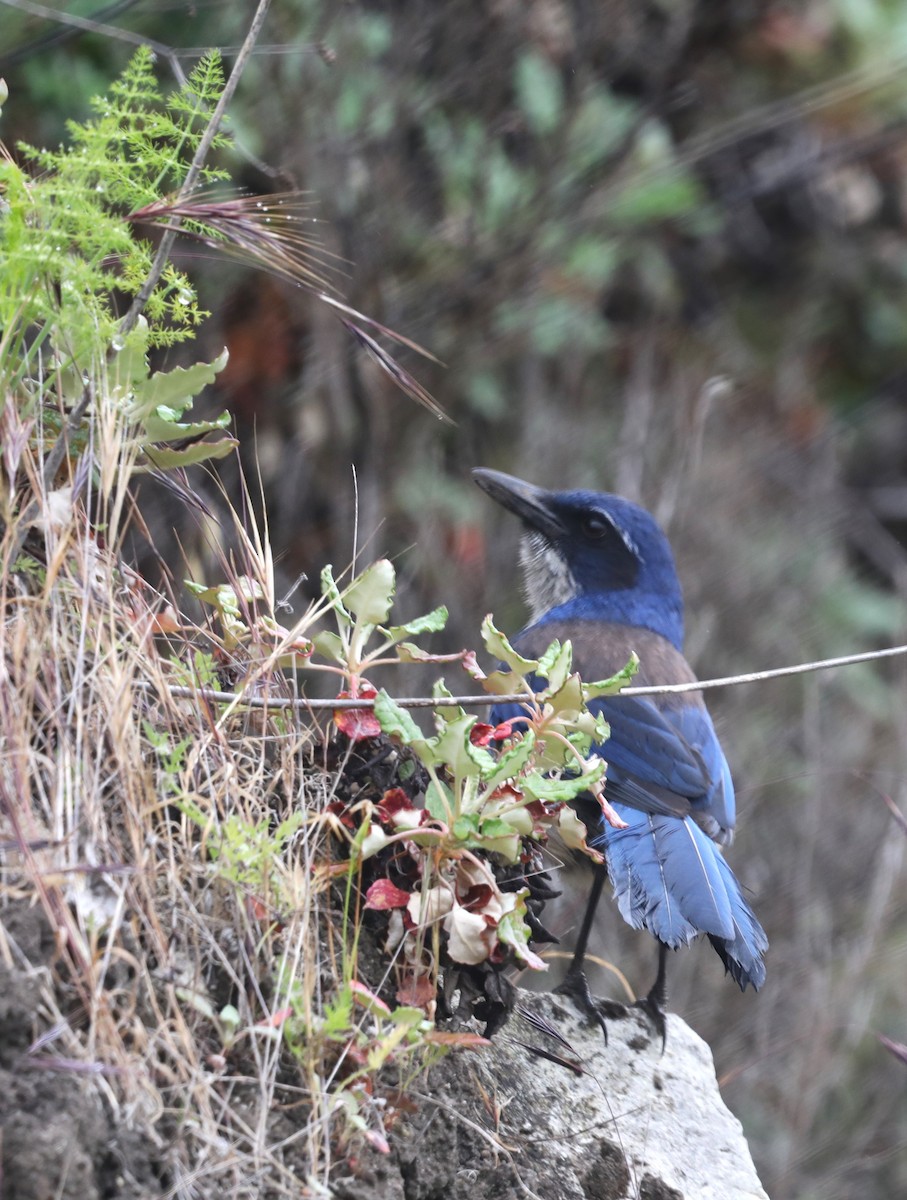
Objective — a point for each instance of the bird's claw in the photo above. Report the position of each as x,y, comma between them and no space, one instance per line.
653,1008
576,986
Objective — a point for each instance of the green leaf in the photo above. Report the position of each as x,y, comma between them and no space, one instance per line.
607,687
337,1015
553,790
466,828
574,833
163,426
555,664
670,193
229,1017
567,702
494,835
559,322
445,714
330,645
520,820
508,847
514,932
165,459
504,683
432,622
539,91
495,827
412,1018
512,761
129,366
592,727
439,801
498,645
396,721
370,596
453,747
505,188
175,389
599,122
593,261
331,593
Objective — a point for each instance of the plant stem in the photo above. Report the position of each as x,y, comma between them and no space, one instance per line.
195,167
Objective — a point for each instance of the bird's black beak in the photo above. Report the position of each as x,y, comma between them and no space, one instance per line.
531,504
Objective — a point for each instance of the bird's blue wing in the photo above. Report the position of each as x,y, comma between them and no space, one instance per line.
658,755
669,780
662,761
667,872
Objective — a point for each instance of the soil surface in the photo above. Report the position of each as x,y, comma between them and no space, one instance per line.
60,1139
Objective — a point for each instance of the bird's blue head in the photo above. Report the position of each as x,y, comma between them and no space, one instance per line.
592,556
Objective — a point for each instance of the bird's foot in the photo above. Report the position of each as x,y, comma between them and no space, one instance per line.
576,986
653,1006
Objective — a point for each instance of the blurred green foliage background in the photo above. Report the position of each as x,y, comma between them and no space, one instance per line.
661,249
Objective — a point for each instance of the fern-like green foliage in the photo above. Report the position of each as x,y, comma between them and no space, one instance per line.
65,239
69,255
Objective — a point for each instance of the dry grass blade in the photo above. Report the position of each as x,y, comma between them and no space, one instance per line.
898,1049
401,377
141,826
267,232
896,813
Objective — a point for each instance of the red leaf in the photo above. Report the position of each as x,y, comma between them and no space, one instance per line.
393,801
383,895
466,545
505,729
417,990
338,809
166,621
481,734
367,998
508,790
358,723
477,896
259,911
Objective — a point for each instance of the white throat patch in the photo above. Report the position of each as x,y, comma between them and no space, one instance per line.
547,580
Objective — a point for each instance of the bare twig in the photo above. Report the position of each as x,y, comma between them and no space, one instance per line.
92,25
522,697
195,167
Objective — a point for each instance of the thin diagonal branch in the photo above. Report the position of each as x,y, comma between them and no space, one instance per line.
284,702
93,25
195,167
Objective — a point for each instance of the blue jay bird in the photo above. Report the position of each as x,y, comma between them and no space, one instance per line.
599,571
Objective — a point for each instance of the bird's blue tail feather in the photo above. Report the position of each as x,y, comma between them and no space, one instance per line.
671,879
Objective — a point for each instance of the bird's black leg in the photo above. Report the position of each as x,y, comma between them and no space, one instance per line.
575,984
656,1001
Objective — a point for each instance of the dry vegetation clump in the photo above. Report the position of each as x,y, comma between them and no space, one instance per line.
248,925
177,853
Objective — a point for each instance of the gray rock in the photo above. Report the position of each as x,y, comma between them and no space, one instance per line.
626,1121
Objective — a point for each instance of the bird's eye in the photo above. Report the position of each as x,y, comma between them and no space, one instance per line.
595,527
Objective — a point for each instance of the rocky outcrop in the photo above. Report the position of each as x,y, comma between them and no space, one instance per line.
596,1122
